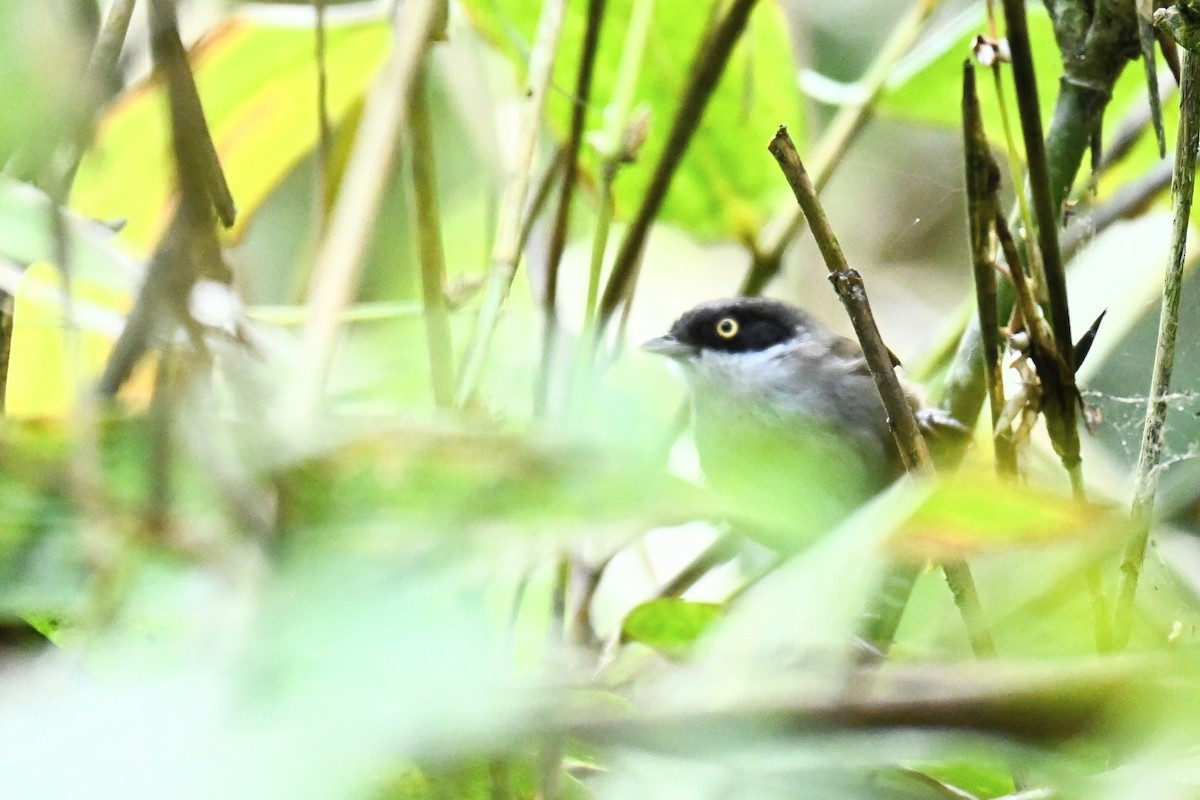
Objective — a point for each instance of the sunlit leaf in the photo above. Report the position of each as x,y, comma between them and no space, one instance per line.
258,84
669,625
46,373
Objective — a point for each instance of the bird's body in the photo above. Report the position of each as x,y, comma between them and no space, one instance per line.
786,415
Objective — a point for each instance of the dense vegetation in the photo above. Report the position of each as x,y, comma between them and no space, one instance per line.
330,471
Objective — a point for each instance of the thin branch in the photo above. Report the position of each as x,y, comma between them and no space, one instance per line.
1149,42
506,251
356,210
849,286
429,239
705,71
720,551
1150,454
189,250
190,134
983,186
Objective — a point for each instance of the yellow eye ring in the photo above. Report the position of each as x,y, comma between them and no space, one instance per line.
727,327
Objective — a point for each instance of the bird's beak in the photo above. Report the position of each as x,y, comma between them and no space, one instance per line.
670,347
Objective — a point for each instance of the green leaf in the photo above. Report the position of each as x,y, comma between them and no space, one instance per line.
926,87
727,183
669,625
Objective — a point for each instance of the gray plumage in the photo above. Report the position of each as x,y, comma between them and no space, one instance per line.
786,415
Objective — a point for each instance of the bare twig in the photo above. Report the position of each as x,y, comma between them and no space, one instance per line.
1149,42
189,131
506,251
718,552
1153,432
849,286
189,250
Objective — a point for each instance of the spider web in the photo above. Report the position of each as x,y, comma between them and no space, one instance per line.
1123,418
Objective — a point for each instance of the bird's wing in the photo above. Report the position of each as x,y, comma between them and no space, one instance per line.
850,350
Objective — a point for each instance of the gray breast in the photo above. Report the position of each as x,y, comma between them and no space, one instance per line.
791,435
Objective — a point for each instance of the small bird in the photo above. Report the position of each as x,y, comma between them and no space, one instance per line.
787,420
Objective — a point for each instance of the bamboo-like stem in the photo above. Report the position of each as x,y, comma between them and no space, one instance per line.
352,220
1016,167
429,241
705,71
779,232
1097,47
506,251
1058,384
1150,454
562,215
983,185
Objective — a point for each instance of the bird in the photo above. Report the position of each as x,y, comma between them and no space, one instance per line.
787,421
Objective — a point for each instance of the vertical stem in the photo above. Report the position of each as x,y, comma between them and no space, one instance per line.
901,419
1146,485
429,239
1059,383
562,216
506,252
352,221
324,154
612,149
983,183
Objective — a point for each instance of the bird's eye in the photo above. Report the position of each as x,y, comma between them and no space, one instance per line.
727,328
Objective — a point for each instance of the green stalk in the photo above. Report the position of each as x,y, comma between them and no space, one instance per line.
1146,485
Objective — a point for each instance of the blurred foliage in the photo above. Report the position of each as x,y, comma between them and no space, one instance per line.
724,188
372,603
